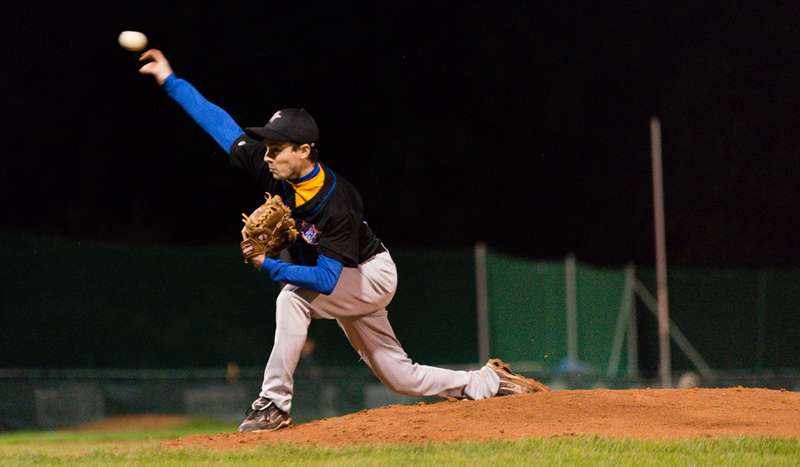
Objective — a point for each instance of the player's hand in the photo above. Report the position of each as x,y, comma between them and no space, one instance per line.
256,261
158,66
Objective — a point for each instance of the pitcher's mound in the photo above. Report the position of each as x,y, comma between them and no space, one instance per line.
647,413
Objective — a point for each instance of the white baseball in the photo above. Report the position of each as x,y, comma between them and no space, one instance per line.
133,41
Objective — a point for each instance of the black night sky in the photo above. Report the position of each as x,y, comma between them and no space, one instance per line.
522,124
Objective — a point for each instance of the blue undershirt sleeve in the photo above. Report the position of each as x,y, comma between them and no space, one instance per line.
321,278
215,121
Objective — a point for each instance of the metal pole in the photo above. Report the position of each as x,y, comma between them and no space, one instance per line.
482,293
664,367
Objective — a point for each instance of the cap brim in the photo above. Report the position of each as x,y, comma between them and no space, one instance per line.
262,133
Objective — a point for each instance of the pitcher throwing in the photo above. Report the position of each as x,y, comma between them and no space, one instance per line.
340,269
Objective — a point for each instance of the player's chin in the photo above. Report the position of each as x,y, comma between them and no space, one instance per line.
278,176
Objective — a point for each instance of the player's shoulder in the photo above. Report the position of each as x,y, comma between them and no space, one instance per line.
248,154
334,178
246,145
341,192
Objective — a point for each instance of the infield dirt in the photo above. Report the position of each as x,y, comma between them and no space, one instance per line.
636,414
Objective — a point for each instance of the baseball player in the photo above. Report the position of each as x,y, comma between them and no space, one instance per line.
340,270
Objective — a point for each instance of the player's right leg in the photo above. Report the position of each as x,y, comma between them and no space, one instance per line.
271,410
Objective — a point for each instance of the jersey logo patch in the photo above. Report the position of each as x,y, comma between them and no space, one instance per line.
309,233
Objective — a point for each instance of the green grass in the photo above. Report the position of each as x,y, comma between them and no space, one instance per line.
142,448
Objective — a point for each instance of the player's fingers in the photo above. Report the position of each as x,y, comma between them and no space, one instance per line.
152,54
147,68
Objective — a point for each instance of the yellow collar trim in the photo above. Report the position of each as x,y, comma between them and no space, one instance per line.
306,190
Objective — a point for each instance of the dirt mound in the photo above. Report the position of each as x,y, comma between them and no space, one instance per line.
648,413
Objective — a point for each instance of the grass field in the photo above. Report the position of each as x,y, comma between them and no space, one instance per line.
143,448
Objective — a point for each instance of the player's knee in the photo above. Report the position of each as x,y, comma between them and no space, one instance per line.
284,300
291,309
402,378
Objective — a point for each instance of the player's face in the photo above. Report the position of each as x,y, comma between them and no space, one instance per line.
284,161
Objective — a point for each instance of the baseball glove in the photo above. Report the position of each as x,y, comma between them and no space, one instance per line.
269,229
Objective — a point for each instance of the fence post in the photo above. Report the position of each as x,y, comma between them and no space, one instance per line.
633,330
624,318
572,309
482,294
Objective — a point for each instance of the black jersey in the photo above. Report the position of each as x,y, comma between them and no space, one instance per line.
331,223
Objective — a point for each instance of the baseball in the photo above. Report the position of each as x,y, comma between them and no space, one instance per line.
133,41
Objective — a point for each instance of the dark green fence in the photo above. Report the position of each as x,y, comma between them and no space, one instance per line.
530,319
75,304
737,319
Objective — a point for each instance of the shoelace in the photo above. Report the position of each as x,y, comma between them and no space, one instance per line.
250,409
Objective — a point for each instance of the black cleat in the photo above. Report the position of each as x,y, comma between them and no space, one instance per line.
265,416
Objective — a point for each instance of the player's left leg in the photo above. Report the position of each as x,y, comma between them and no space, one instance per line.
373,338
359,303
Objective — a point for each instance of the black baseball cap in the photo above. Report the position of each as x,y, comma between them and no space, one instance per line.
294,125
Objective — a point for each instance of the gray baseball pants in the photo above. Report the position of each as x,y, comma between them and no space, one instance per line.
358,303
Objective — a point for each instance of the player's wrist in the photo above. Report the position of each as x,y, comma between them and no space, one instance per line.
266,264
166,79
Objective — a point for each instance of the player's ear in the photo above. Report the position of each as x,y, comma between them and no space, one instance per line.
305,151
